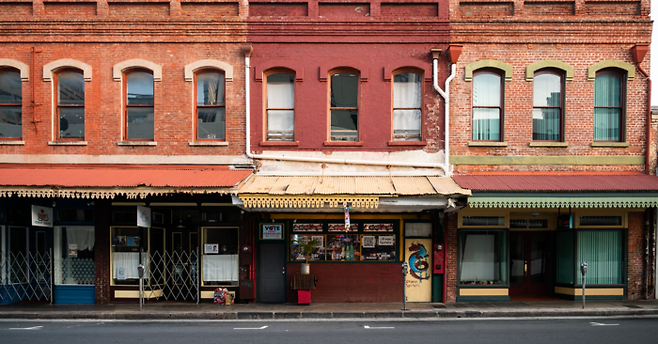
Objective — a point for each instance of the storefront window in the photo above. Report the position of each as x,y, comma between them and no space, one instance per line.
483,257
296,254
127,246
564,254
220,256
74,255
602,250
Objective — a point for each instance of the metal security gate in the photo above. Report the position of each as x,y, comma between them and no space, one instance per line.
172,276
25,277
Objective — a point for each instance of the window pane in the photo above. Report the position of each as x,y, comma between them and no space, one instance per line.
220,267
211,123
11,118
140,123
210,89
344,90
486,124
406,90
406,125
607,124
565,257
547,88
72,122
280,124
483,258
607,90
344,125
139,88
280,91
486,90
546,124
10,88
71,88
74,256
602,250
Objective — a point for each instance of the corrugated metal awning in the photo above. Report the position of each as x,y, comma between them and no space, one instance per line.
90,181
360,191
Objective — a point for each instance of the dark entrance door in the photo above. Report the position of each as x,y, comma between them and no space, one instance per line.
528,263
182,262
272,272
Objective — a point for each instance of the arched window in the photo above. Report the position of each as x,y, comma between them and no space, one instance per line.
407,114
488,95
280,107
548,106
70,104
344,105
210,105
609,104
138,101
11,104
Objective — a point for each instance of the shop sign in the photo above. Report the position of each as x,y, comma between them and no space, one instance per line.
272,231
386,240
143,216
42,216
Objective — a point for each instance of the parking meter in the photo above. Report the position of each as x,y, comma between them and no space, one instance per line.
140,273
583,270
405,268
405,271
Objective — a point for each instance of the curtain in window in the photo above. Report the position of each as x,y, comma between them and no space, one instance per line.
483,258
546,120
220,268
602,250
486,107
607,107
280,107
126,263
406,94
11,98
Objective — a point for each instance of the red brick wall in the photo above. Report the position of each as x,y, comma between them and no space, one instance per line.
612,8
450,228
409,10
486,10
278,10
70,10
16,8
636,261
343,11
549,8
209,10
102,216
139,11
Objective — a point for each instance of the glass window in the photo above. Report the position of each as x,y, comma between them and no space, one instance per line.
71,105
344,107
128,245
602,250
220,256
564,265
11,105
487,106
74,255
483,257
406,107
609,97
547,111
139,106
280,107
210,106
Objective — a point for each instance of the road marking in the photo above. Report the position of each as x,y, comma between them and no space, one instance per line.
601,324
27,328
252,328
375,328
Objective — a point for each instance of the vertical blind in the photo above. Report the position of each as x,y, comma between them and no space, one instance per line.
607,107
602,250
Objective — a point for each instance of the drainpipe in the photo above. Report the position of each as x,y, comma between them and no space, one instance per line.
247,49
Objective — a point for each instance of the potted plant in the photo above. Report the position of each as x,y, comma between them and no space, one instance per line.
307,248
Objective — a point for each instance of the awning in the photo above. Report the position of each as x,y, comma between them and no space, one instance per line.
333,191
554,191
90,181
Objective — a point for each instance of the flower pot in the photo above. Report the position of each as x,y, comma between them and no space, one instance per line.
306,268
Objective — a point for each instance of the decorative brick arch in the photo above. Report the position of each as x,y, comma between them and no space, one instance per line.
469,69
22,68
119,68
629,68
201,64
408,63
360,66
533,67
52,67
273,64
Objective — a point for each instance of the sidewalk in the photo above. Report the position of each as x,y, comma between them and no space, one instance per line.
176,310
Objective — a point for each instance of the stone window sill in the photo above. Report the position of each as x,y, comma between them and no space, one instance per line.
610,144
137,143
487,144
550,144
407,143
67,143
11,143
279,143
343,143
208,143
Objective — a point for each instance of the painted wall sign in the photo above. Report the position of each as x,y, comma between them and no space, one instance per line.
419,280
272,231
143,216
42,216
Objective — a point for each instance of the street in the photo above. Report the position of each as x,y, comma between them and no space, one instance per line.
509,331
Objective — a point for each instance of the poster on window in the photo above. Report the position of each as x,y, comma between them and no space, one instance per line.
42,216
272,231
73,251
143,216
211,249
418,281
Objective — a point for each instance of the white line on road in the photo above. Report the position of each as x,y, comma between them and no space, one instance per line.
252,328
375,328
602,324
27,328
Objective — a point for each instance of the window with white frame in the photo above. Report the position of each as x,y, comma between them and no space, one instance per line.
407,114
280,108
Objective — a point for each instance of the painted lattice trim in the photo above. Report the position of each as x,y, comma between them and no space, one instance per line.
308,202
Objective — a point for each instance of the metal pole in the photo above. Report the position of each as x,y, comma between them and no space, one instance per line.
141,293
583,291
50,272
198,277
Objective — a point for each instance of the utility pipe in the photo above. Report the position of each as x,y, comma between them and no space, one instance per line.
247,49
446,98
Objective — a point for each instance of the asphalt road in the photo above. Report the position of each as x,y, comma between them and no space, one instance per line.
553,331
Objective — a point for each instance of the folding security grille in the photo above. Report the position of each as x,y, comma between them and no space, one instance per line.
172,276
25,277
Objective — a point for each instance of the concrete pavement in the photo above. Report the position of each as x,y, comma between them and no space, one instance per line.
179,310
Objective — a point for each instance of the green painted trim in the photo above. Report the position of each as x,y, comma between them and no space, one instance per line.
468,70
567,201
533,67
549,144
546,160
487,144
629,68
610,144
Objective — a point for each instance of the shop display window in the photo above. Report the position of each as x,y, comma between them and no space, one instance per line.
220,249
378,247
295,254
74,255
127,249
483,257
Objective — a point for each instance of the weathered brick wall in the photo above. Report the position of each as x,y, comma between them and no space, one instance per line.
344,11
409,10
209,10
278,10
636,256
16,8
102,215
450,227
70,10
